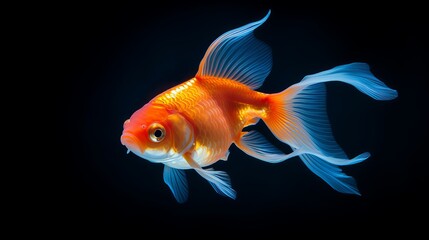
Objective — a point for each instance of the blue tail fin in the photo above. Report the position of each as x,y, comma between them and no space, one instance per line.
356,74
298,117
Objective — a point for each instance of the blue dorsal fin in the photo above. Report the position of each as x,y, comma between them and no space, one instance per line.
239,56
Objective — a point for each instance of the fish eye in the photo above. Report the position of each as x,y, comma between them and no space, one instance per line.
156,132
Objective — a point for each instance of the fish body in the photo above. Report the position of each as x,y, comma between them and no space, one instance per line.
192,125
218,110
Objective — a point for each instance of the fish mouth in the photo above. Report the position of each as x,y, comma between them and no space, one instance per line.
132,143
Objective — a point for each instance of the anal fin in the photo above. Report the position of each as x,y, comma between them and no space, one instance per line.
255,145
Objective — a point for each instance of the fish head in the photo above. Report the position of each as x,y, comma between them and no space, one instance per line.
157,134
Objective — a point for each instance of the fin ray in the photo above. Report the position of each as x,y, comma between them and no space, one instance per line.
239,56
298,117
298,114
356,74
331,174
177,182
255,145
219,180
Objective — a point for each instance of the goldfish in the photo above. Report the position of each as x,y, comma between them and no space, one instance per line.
192,125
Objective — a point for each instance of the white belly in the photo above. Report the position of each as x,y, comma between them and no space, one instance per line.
203,157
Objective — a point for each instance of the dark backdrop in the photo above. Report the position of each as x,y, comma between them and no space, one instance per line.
113,58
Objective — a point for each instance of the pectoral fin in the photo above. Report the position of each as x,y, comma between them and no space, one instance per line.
219,180
177,182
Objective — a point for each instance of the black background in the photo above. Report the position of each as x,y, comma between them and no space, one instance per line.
113,58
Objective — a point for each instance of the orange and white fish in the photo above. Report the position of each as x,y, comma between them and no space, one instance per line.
192,125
